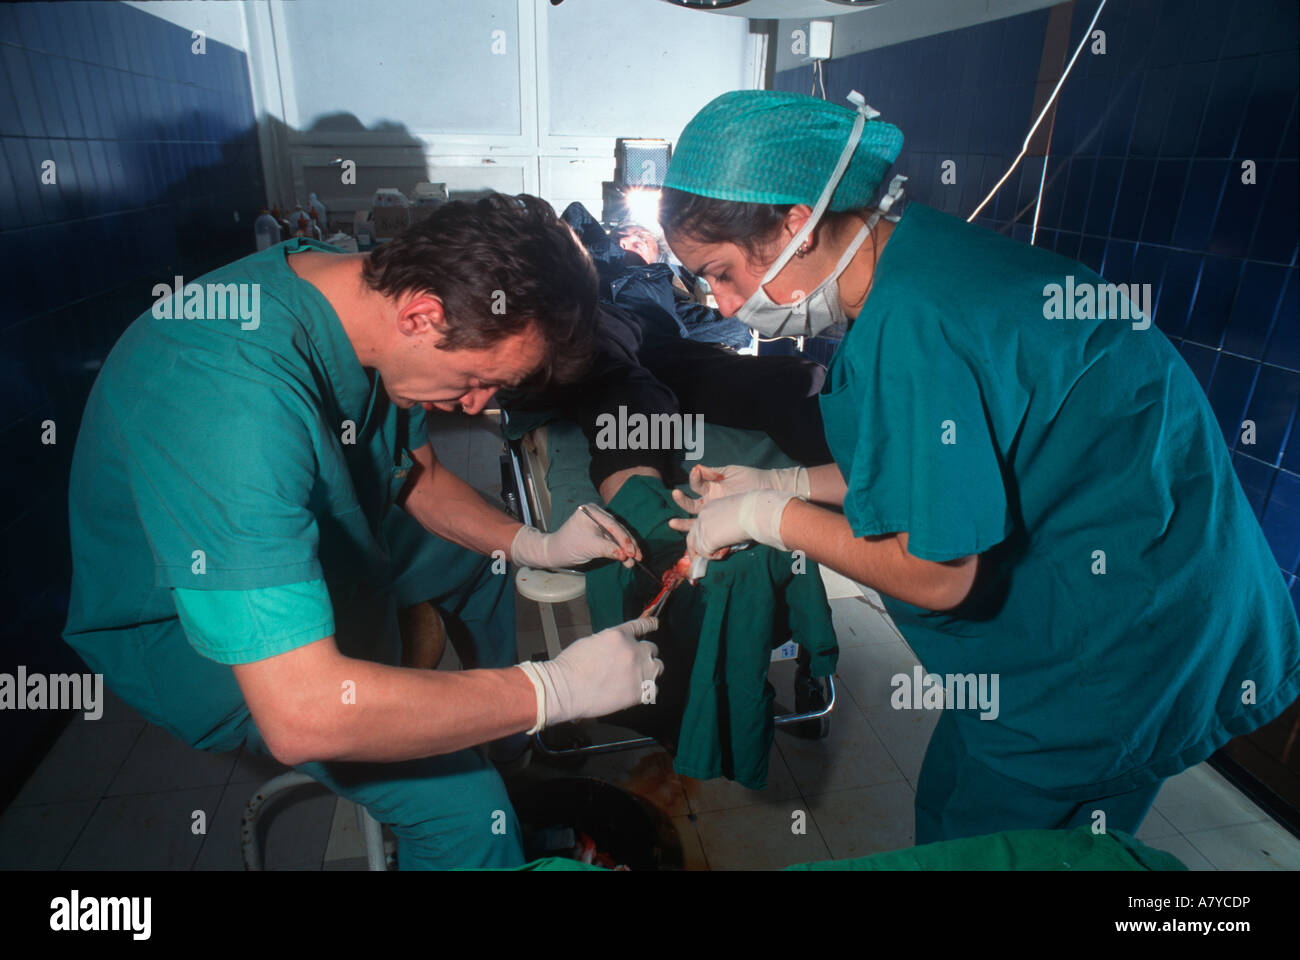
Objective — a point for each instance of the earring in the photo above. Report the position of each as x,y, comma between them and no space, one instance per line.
803,250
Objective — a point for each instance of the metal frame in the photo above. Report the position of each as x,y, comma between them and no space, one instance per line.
371,829
527,489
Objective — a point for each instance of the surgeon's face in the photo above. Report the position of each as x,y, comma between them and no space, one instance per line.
418,372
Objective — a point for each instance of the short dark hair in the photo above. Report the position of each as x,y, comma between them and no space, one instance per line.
498,264
750,226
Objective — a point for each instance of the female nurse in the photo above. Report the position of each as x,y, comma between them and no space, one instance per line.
1036,485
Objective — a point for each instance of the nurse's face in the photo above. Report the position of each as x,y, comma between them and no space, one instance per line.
418,372
733,275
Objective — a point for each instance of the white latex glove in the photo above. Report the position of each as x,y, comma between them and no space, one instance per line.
725,522
597,675
577,541
713,483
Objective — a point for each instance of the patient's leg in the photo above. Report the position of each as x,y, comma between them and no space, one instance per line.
777,394
614,482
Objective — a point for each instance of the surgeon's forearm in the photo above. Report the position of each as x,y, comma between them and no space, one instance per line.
881,563
449,507
346,709
827,484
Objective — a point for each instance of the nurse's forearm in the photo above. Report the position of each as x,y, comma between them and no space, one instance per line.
314,704
827,484
446,505
881,563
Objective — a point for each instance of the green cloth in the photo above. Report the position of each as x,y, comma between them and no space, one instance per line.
200,435
1077,849
568,476
961,413
769,146
742,608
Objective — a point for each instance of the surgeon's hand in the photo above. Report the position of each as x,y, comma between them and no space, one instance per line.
597,675
714,483
725,522
578,540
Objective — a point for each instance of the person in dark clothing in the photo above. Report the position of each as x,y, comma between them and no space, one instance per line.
659,351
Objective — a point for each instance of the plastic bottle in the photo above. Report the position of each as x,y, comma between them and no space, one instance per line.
316,230
266,230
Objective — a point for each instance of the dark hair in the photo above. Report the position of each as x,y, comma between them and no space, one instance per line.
750,226
498,265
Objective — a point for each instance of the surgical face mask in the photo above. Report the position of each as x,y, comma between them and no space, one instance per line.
814,312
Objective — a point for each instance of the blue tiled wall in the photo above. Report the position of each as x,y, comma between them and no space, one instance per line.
155,149
1143,184
964,96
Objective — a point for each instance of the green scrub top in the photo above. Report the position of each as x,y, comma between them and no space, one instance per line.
1127,598
227,500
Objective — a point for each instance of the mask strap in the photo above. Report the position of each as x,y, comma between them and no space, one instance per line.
865,113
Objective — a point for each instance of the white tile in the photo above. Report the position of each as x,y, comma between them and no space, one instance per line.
850,756
760,837
1155,827
152,831
706,796
866,820
906,735
159,762
38,838
346,839
865,672
693,857
837,585
1248,846
864,619
1179,846
81,764
1200,799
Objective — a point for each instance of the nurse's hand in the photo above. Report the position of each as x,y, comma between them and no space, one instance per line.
725,522
578,540
713,483
597,675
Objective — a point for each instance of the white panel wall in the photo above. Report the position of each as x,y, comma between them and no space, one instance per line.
510,95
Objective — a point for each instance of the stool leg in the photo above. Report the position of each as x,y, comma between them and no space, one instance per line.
549,630
373,832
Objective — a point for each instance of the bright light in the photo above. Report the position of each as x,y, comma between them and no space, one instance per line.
643,207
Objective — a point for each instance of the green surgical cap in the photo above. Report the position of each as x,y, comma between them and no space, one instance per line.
768,146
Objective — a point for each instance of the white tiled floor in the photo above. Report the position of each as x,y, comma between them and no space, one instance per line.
118,793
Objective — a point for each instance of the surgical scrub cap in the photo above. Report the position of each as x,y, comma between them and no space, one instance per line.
768,146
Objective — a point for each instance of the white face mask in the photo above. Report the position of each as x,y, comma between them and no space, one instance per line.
822,308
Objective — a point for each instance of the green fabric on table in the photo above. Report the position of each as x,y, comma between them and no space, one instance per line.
743,607
1077,849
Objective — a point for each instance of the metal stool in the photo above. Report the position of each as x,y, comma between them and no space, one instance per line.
376,853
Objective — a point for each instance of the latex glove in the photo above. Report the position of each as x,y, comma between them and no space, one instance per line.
725,522
577,541
597,675
713,483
